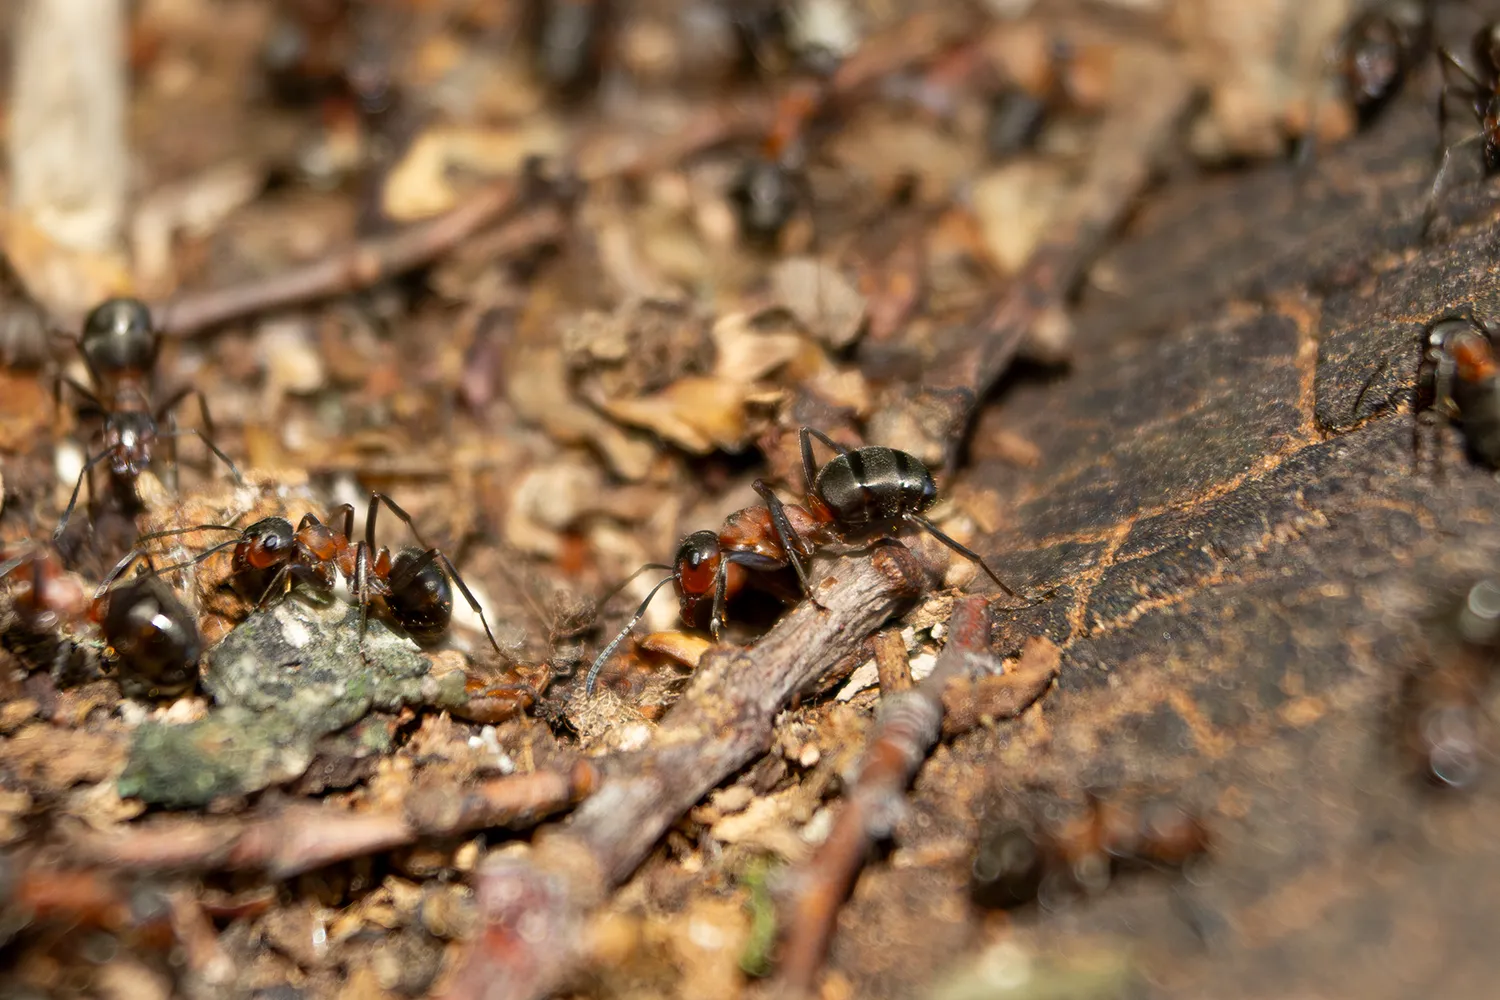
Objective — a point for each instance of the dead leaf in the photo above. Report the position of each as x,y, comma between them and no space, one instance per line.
824,301
697,414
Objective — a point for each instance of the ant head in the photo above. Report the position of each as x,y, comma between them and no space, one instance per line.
118,336
152,634
129,437
266,543
697,563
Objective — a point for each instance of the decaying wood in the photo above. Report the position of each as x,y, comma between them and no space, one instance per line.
892,663
301,838
722,722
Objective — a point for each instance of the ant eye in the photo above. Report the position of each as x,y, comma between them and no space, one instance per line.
271,543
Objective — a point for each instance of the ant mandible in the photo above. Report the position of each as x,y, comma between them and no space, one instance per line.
713,563
1483,93
120,345
413,587
860,493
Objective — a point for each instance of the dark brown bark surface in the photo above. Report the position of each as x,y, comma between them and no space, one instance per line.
1244,568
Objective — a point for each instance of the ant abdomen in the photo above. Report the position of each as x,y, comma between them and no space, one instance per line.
875,485
153,638
421,598
118,337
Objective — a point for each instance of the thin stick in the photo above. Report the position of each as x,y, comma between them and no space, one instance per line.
910,724
298,839
360,266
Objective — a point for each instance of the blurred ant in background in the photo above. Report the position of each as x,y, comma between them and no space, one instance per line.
1444,724
1459,379
1480,88
44,601
119,346
1052,858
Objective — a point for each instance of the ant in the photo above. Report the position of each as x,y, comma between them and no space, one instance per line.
1016,863
1445,726
120,345
1378,50
770,186
859,493
1482,91
43,596
718,564
413,586
1459,378
149,635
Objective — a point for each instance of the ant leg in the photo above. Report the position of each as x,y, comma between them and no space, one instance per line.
791,542
73,500
345,510
94,405
239,480
361,593
1380,369
809,467
206,435
394,509
603,657
964,551
751,561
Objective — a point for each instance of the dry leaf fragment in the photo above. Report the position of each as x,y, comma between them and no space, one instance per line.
698,414
825,302
685,648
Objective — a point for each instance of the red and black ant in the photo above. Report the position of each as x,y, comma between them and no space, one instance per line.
43,599
859,493
717,564
1481,88
413,587
770,186
1016,862
120,346
1445,726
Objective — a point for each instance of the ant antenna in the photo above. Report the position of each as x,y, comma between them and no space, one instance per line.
640,612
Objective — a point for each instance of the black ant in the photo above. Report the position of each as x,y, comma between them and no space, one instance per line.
150,636
120,346
858,493
413,586
1482,91
1460,379
717,564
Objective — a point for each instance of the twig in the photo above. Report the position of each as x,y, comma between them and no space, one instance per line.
722,722
909,726
891,662
358,267
300,838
